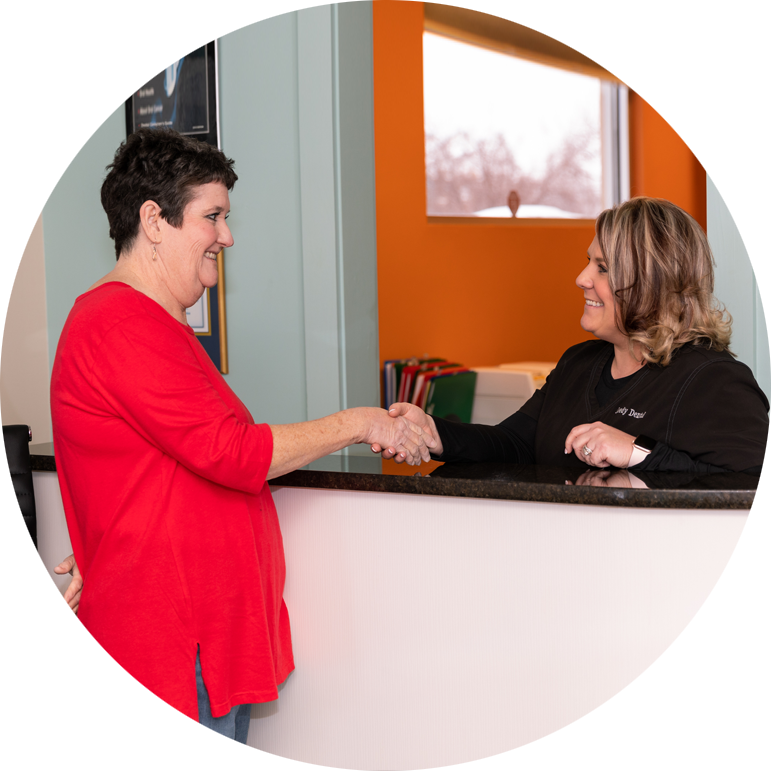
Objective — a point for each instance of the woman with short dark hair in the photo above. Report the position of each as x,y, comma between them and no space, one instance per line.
658,390
163,471
164,166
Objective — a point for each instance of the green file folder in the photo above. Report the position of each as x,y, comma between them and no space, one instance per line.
452,396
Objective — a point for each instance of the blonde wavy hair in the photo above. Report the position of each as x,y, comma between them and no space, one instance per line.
661,272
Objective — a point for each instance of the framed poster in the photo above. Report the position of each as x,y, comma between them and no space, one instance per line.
184,97
207,319
171,66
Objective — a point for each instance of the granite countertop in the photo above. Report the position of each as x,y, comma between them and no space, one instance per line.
508,481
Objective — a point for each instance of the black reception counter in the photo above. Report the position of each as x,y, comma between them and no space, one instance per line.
506,481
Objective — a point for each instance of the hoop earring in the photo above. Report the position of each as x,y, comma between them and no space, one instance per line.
155,254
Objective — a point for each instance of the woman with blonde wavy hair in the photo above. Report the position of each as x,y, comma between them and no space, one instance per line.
660,271
658,390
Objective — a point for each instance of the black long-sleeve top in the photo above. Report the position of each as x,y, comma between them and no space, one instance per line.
705,410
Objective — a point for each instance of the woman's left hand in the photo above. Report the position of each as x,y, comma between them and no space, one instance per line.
600,445
72,595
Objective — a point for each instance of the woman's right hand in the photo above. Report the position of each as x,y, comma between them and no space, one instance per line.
298,444
416,416
408,439
72,595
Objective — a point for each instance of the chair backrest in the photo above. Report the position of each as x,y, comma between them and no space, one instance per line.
19,566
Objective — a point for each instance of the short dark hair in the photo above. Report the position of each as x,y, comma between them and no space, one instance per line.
163,166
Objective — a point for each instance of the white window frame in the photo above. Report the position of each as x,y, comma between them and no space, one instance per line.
614,139
614,107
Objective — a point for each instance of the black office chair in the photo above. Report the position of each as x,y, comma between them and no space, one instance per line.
28,622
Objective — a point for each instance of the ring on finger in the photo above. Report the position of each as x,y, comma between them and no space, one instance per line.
586,451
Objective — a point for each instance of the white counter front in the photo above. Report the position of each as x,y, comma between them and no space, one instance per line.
454,633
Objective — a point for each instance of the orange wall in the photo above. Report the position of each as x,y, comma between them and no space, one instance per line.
668,137
481,294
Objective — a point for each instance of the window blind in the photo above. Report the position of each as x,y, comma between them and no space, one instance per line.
595,37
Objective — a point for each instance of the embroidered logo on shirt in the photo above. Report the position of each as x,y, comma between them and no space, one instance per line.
632,413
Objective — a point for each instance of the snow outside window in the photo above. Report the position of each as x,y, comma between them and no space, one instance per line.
507,137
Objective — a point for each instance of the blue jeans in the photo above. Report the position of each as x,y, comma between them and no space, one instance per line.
220,747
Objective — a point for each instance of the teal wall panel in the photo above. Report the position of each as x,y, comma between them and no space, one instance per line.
337,173
729,164
318,113
762,187
281,121
738,97
263,269
82,122
356,163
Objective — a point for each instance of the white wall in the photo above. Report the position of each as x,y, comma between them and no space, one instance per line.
6,718
24,371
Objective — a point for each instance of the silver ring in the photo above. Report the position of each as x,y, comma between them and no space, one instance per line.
586,451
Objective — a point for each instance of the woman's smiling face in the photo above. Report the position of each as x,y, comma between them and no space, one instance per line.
189,253
599,304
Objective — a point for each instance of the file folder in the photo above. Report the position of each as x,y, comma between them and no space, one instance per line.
451,396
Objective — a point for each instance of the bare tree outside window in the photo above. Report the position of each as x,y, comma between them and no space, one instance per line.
507,137
465,175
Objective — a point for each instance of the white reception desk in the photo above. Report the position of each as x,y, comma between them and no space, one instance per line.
468,622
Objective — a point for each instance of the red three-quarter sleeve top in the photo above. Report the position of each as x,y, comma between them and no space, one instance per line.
163,478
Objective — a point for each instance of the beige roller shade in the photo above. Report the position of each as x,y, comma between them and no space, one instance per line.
596,37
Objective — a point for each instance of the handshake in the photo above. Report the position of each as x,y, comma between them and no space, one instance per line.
405,433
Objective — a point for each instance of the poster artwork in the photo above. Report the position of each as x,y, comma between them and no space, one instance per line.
183,97
170,86
199,316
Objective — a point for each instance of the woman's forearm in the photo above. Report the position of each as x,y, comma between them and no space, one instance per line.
512,441
297,444
666,458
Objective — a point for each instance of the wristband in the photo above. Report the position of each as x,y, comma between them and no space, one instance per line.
641,449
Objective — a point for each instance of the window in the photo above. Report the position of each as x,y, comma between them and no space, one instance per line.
506,135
